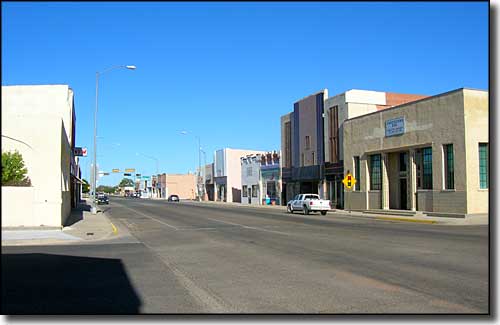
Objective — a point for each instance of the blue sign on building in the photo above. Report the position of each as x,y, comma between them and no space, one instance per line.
395,126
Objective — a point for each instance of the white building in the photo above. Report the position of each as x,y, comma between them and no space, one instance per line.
251,184
227,173
39,122
261,179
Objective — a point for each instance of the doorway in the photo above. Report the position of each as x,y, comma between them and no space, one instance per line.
402,193
403,188
249,195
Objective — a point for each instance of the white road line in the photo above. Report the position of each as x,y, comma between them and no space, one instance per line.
248,227
144,215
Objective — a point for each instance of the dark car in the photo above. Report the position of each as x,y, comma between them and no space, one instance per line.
173,198
102,199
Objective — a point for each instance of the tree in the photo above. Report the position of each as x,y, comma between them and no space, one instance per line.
106,189
85,186
13,170
126,182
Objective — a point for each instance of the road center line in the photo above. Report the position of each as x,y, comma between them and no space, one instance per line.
248,227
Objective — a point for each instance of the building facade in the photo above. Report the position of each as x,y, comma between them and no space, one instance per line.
302,147
39,122
261,179
209,182
339,108
184,185
429,155
227,173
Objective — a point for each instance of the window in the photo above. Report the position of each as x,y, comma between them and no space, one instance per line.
271,189
449,182
244,191
427,168
308,143
302,156
288,145
334,134
483,165
356,173
249,171
375,173
255,190
313,158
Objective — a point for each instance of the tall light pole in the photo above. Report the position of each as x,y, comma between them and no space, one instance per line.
94,177
199,163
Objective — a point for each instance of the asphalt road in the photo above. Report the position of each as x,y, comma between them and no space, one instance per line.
196,258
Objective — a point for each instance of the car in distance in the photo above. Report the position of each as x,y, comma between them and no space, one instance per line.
308,203
102,199
173,198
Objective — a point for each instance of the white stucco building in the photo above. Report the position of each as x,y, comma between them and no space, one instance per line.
39,122
227,173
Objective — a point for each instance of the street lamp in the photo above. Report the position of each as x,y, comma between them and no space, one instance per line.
199,165
94,177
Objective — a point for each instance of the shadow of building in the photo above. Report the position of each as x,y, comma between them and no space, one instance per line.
60,284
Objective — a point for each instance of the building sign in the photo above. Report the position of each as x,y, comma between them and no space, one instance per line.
81,152
395,126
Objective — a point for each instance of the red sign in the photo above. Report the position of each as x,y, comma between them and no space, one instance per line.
81,152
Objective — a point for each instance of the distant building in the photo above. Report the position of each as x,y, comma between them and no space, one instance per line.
429,155
184,185
39,121
261,179
227,173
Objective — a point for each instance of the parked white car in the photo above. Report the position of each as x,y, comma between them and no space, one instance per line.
308,203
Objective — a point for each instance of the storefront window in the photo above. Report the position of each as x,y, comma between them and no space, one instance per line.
483,165
375,173
356,173
255,190
244,191
427,167
448,166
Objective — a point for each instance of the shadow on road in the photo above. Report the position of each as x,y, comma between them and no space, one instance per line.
61,284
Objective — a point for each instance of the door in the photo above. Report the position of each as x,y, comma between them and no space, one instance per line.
296,202
249,195
403,173
402,193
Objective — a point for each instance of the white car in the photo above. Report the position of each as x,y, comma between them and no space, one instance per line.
308,203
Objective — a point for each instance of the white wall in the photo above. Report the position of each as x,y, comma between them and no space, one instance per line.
32,123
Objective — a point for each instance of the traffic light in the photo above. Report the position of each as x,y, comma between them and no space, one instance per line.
349,181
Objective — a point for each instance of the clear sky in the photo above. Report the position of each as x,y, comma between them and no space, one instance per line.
227,71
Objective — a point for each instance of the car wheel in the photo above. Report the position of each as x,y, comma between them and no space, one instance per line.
306,210
289,209
323,212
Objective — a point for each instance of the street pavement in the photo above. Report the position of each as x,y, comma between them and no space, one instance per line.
154,256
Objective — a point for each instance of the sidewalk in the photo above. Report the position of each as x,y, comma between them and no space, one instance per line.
419,218
83,227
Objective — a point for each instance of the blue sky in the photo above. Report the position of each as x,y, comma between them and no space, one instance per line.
227,71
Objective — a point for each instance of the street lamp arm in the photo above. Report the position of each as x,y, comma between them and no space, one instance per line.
132,67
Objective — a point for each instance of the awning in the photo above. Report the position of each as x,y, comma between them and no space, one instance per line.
78,180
